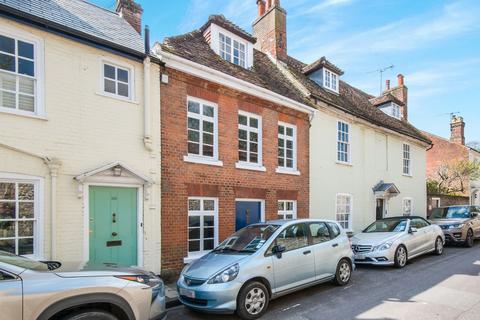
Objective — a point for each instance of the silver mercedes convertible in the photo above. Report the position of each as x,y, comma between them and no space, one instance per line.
395,240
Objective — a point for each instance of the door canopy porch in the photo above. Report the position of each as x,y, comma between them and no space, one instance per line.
386,190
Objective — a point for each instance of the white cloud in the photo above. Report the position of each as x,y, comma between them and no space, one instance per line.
326,4
402,35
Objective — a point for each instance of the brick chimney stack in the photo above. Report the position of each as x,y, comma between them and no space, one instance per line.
387,85
131,12
457,129
401,93
270,29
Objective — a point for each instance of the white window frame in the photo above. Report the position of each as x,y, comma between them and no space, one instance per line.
247,164
406,158
233,41
348,143
285,137
396,111
201,213
283,213
39,71
199,158
38,228
350,214
404,206
333,80
131,76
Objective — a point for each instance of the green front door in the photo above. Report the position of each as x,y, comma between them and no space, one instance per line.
113,226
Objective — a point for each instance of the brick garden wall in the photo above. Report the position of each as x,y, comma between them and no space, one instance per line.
181,179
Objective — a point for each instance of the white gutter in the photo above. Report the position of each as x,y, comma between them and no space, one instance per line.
210,74
147,135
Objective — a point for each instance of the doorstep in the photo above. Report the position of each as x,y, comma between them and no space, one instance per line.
171,295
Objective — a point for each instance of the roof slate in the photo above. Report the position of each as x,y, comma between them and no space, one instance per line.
387,97
80,16
320,63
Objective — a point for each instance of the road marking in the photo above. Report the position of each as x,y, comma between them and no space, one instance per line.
344,288
291,307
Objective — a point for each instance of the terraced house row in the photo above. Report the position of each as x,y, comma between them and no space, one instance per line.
116,153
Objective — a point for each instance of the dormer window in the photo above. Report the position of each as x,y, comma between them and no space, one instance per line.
229,42
392,109
232,50
330,80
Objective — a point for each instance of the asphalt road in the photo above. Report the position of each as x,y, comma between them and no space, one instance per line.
429,287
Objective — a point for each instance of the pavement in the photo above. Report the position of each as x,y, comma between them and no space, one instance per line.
429,287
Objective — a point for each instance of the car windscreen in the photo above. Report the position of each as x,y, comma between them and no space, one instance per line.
387,225
458,212
247,240
22,262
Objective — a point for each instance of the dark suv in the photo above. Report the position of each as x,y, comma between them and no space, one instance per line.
460,224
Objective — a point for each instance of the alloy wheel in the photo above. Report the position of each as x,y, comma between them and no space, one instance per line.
439,246
401,256
255,301
344,271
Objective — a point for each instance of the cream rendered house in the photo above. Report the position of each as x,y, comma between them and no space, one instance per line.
366,164
79,134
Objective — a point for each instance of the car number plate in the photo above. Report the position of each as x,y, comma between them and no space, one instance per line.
360,256
187,293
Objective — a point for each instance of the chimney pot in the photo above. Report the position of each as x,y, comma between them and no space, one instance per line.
261,7
401,80
269,4
387,85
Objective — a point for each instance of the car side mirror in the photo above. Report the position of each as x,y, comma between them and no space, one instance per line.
412,230
278,250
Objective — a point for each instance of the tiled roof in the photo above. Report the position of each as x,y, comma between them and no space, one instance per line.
264,73
81,18
353,101
384,98
320,63
193,46
219,19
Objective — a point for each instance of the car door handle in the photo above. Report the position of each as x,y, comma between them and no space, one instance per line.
307,252
335,245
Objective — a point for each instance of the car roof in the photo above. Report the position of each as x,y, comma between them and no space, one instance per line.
283,221
403,217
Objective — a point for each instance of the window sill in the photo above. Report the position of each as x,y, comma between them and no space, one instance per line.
245,166
200,160
23,114
193,257
349,164
115,97
287,171
407,175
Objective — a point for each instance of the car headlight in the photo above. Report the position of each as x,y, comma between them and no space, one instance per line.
149,280
455,226
383,246
226,275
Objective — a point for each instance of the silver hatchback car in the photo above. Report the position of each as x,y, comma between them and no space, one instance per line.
32,290
264,261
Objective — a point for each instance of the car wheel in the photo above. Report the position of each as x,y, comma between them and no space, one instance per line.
90,315
252,301
469,239
344,273
401,257
439,246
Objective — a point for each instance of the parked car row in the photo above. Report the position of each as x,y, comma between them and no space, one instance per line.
260,262
267,260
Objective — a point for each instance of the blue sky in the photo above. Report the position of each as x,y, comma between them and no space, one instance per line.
434,43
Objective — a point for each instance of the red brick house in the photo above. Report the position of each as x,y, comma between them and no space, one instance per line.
235,139
445,151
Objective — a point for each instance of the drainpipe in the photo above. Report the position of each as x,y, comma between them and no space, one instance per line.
147,136
54,166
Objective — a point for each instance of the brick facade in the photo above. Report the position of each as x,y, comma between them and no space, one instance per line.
181,179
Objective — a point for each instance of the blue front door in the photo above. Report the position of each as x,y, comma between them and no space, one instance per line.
247,212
